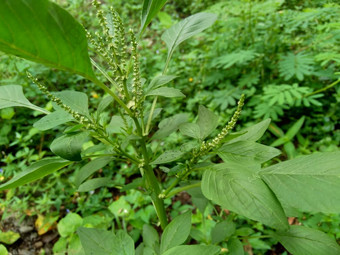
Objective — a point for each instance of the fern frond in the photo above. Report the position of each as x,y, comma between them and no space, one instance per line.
298,65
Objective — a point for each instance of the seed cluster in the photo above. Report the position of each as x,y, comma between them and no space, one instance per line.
77,116
205,147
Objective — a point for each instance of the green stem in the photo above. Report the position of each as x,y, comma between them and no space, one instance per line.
152,183
323,89
191,186
148,124
111,93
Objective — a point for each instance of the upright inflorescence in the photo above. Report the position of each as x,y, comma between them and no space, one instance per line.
77,116
205,147
112,45
137,89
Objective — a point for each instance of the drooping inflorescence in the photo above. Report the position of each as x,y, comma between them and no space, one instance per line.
77,116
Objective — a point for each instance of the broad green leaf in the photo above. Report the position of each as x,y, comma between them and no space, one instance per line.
104,103
149,11
198,199
103,242
190,129
222,231
165,92
116,125
69,224
207,122
3,250
170,125
74,246
52,120
239,189
176,232
160,80
94,184
150,237
253,133
187,28
69,146
235,246
9,237
245,150
35,171
193,250
43,32
120,207
77,101
308,183
90,168
165,19
12,95
7,113
301,240
168,156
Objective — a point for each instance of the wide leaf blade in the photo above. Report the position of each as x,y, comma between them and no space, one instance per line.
301,240
237,188
41,31
176,232
12,95
35,171
166,92
186,29
99,241
95,183
193,250
69,146
52,120
207,121
308,183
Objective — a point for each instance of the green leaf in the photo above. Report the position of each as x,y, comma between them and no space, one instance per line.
3,250
191,130
167,157
235,246
69,146
90,168
103,242
176,232
165,92
52,120
198,199
165,19
239,189
94,184
77,101
193,250
104,103
245,150
207,122
43,32
160,80
290,133
150,236
185,29
222,231
116,125
120,207
298,65
253,133
8,237
35,171
306,241
69,224
308,183
7,113
12,95
149,11
170,125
